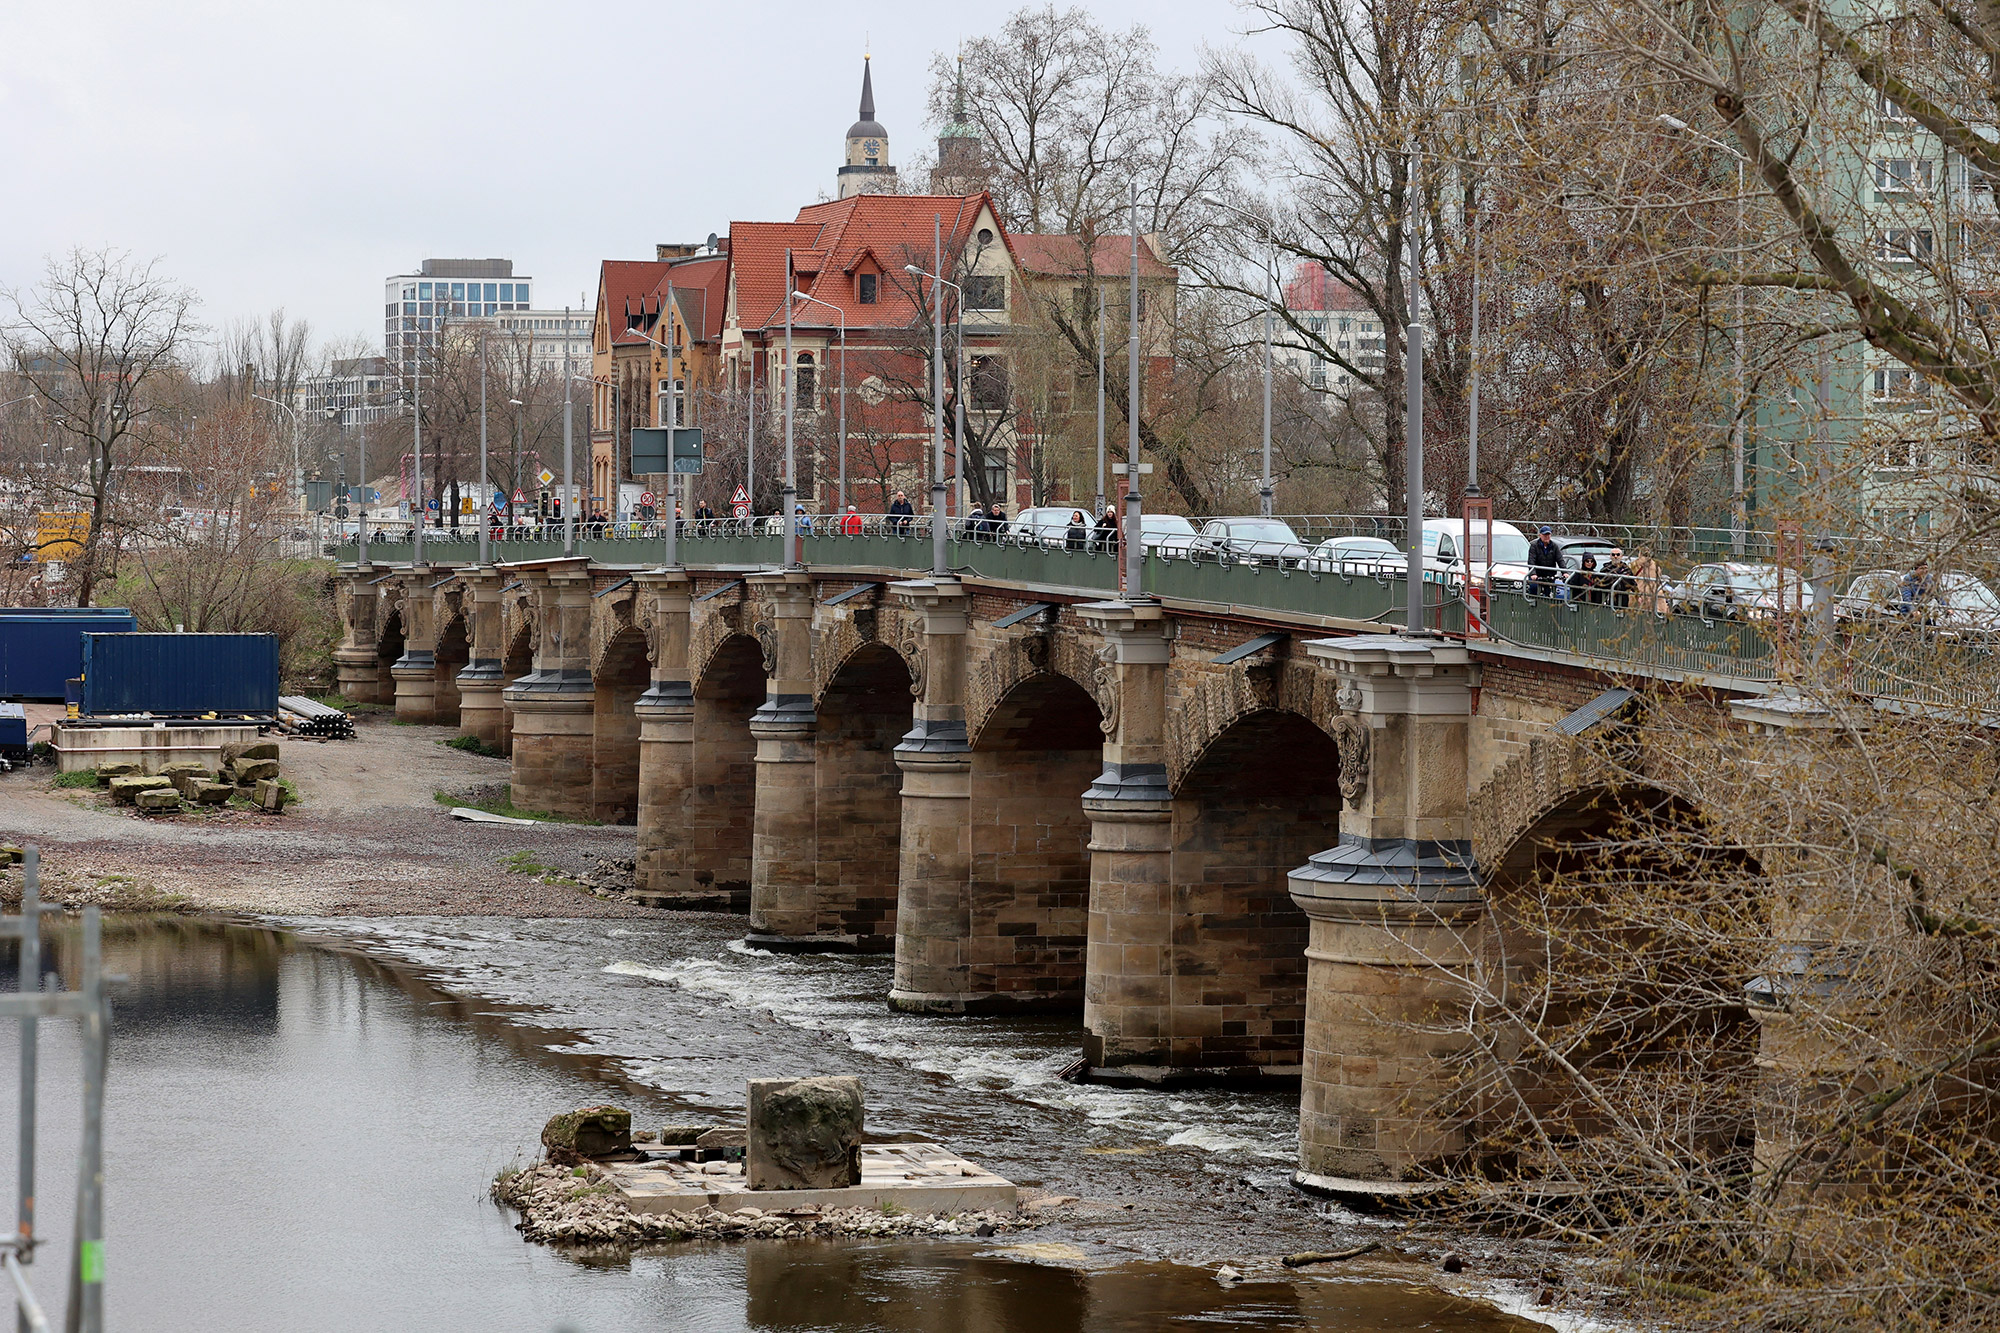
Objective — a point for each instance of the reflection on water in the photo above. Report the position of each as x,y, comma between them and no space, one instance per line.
300,1138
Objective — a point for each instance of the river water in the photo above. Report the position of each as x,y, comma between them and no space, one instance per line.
302,1123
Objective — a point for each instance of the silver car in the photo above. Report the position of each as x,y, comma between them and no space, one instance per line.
1255,541
1358,555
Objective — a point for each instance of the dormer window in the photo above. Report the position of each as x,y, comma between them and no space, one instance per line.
865,288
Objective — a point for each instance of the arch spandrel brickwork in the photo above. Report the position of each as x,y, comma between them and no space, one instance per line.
1206,699
1003,659
611,614
839,632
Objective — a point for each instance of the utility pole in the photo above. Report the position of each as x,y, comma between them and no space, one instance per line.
1413,426
938,568
569,452
1134,507
1264,492
361,530
1098,513
672,422
417,458
485,501
791,393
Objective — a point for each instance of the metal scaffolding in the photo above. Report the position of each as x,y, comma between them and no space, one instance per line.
30,1005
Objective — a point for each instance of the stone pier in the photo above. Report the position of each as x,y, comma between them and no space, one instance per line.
784,860
552,705
355,663
481,711
415,672
1394,908
666,756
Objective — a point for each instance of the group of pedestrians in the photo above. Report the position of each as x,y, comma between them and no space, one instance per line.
1082,535
1617,582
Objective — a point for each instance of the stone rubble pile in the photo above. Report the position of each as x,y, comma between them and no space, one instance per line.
249,770
610,876
558,1206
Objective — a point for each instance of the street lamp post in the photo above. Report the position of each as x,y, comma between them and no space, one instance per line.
1134,506
670,418
1739,516
1265,493
486,502
1413,426
938,284
1098,513
569,452
843,389
791,496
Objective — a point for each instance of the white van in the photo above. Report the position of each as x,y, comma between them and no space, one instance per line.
1447,550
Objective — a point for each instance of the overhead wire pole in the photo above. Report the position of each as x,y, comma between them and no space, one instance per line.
1134,506
938,568
791,501
1264,491
569,453
361,529
1413,426
842,315
672,423
1099,512
486,502
417,457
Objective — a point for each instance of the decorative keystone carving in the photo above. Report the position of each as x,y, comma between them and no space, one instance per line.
767,643
1104,684
1351,736
913,656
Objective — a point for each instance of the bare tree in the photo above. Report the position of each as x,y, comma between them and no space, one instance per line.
93,341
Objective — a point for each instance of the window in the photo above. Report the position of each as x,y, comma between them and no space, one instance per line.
506,291
805,372
985,236
1899,382
986,291
1904,175
1886,108
492,291
521,292
409,307
677,389
995,462
1902,245
410,293
989,383
865,288
423,291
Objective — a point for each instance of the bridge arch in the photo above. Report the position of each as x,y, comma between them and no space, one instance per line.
1258,798
619,676
722,796
1585,944
1037,747
389,643
861,713
454,650
517,659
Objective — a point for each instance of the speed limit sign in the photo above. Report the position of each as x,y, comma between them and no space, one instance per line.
645,497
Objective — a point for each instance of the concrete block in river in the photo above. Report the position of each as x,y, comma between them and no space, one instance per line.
593,1131
158,800
804,1133
126,790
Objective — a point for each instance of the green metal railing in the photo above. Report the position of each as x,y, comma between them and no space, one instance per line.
1637,637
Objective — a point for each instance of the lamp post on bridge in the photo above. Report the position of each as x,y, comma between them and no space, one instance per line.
842,315
1264,490
939,568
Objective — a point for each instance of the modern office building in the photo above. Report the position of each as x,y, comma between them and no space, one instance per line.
1341,321
416,306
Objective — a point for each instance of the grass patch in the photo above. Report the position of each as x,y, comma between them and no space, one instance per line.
473,745
526,862
893,1209
83,777
501,805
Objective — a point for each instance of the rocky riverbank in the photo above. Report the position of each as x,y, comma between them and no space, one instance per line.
580,1205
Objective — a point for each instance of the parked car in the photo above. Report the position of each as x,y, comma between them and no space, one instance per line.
1358,555
1448,551
1255,541
1172,537
1046,527
1958,602
1576,546
1738,590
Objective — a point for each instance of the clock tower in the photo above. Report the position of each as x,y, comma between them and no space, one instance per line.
867,170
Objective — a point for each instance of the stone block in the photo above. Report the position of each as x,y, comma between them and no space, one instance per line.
158,800
125,791
213,793
255,770
683,1135
250,750
186,768
593,1131
270,795
804,1133
106,772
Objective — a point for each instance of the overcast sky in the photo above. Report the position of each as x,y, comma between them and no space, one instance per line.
285,154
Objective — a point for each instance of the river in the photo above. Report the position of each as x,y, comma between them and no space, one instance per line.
302,1121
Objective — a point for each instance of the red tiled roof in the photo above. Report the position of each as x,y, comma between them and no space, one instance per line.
1312,288
1111,256
620,284
830,241
701,288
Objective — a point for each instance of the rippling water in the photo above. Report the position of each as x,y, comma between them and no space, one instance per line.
301,1126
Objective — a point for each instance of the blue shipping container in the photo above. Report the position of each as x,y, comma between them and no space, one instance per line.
42,646
13,729
180,675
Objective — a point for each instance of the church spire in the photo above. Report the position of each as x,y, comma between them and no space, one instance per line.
867,89
867,169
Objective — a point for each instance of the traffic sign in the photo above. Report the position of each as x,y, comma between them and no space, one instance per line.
519,498
645,497
546,477
739,503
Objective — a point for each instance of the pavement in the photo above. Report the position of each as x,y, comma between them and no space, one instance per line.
368,838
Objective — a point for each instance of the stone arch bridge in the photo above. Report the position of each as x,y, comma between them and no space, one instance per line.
1246,835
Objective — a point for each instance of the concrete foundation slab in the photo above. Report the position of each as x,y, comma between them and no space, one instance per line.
152,748
917,1177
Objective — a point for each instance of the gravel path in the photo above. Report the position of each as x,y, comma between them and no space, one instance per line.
367,839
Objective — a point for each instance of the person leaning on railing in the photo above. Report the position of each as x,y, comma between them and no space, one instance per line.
1647,594
900,515
1077,537
1107,531
1544,564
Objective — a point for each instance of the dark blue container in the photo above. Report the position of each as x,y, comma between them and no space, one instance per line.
13,729
42,646
181,675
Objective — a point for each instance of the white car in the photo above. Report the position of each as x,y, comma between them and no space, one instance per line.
1047,527
1358,555
1172,537
1448,551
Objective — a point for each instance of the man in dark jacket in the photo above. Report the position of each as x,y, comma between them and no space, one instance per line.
1544,564
900,515
702,513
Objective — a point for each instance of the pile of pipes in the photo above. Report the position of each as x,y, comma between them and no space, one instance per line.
306,718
